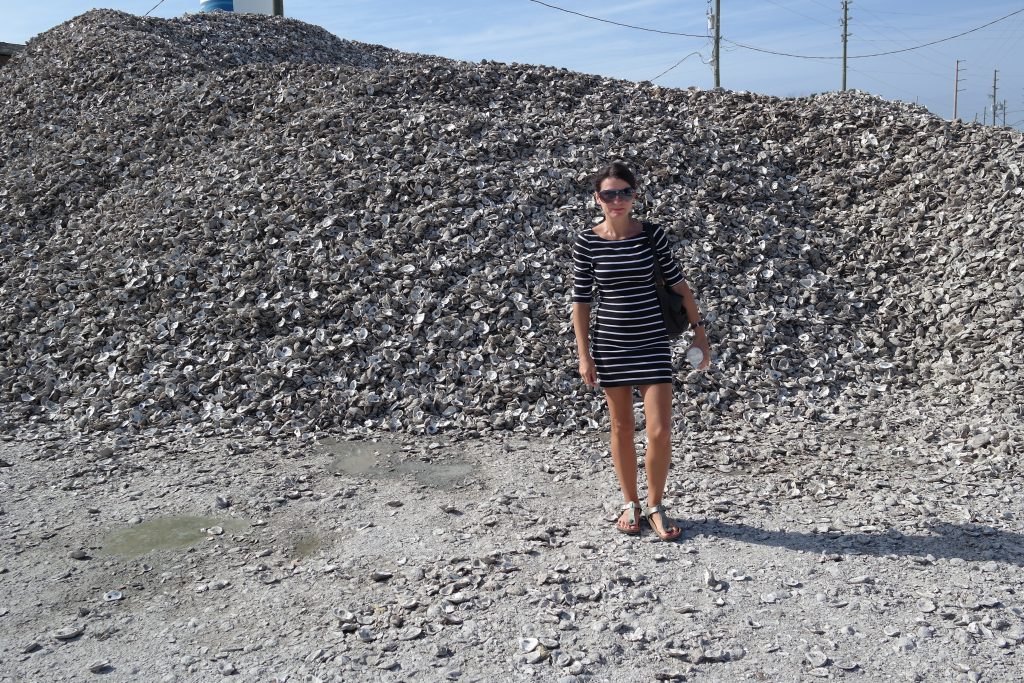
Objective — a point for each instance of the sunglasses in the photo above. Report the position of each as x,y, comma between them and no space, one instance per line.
609,196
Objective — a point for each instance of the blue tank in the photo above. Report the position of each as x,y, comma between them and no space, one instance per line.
213,5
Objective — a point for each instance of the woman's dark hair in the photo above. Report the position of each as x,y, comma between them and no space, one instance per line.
616,169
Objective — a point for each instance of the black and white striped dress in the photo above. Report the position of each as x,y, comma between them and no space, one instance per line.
628,339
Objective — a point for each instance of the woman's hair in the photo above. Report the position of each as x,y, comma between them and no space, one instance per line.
616,169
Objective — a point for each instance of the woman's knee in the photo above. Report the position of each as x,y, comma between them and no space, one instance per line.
623,423
659,431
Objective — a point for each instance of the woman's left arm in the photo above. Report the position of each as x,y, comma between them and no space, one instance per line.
700,337
672,274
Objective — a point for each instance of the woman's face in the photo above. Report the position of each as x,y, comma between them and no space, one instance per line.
610,198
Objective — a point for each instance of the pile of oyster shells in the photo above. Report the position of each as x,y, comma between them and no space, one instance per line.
238,221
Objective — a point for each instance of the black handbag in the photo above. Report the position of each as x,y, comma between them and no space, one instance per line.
671,303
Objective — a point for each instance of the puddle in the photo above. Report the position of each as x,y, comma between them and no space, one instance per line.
305,545
382,460
358,458
439,475
164,533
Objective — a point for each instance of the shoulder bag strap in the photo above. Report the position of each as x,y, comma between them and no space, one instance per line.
659,279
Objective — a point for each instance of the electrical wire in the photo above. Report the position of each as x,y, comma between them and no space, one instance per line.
913,65
902,14
154,7
868,74
996,49
799,14
876,54
938,58
677,64
617,23
774,52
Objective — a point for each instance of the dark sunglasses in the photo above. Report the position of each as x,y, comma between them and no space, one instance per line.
609,196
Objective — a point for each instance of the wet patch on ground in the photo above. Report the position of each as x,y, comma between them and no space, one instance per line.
166,532
376,460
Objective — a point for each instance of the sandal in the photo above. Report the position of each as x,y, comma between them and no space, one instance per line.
632,527
672,532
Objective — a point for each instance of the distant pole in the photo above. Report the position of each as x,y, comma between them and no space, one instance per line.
956,87
718,44
846,36
278,8
995,102
1004,113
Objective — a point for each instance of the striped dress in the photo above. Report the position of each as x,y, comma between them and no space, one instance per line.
628,339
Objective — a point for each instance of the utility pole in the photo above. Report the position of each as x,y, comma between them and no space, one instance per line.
995,102
278,8
1004,113
717,50
956,87
846,36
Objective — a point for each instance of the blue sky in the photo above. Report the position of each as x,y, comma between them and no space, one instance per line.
529,33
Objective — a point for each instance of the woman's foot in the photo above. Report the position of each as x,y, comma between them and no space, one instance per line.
662,524
629,520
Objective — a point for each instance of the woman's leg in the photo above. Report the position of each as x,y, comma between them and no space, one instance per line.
620,410
658,413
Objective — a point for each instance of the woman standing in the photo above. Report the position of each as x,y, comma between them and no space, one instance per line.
629,345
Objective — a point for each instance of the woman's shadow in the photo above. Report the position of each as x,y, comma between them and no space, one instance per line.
970,542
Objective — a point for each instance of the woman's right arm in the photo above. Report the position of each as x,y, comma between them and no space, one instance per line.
582,296
581,325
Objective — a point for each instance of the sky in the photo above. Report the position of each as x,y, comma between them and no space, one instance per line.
528,32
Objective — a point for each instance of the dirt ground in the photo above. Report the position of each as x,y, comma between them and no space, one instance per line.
854,549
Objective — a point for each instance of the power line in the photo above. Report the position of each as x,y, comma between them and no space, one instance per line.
617,23
902,14
995,49
677,64
868,74
154,7
774,52
822,5
800,14
918,66
936,54
877,54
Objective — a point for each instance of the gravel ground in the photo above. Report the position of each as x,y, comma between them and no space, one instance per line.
855,548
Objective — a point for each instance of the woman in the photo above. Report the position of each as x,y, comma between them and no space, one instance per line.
629,345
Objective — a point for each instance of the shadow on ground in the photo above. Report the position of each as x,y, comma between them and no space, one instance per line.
969,542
